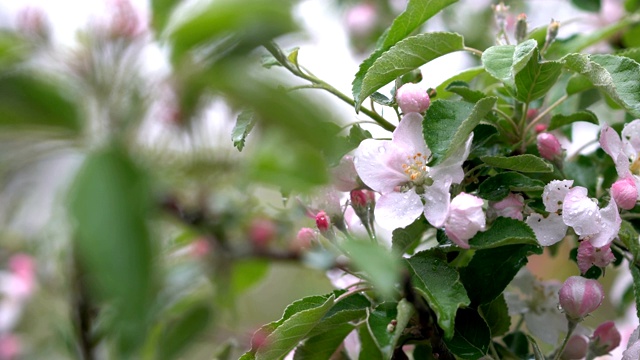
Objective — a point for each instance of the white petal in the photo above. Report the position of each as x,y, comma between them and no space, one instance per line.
436,202
452,166
631,137
408,135
397,210
554,194
548,231
610,222
465,219
379,165
610,141
580,212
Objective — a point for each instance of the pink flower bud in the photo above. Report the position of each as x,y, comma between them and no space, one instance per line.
576,348
200,248
306,236
540,128
588,255
361,19
323,222
605,338
625,193
10,346
510,207
549,146
23,267
358,199
262,232
465,219
580,296
412,98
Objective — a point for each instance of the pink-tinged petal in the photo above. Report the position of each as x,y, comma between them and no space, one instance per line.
408,135
465,219
631,138
436,202
581,213
510,207
344,175
632,352
576,347
554,194
609,226
397,210
625,192
548,230
379,165
588,255
452,166
610,141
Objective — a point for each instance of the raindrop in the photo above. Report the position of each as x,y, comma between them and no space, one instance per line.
382,149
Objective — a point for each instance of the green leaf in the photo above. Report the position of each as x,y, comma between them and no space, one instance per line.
635,273
472,335
498,61
466,76
462,88
110,203
403,239
496,314
498,187
484,283
161,13
631,5
322,346
612,74
381,99
629,237
536,78
537,353
381,266
403,57
379,320
245,122
350,309
178,334
578,83
293,327
369,350
31,102
581,170
246,273
559,120
417,12
579,42
587,5
440,285
244,24
504,231
448,124
518,343
522,163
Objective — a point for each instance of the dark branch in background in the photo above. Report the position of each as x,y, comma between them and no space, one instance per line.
428,323
83,313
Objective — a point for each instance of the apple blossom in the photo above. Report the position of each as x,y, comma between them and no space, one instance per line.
605,338
304,239
413,98
511,207
588,255
576,348
398,170
548,146
625,192
344,175
465,219
580,296
599,226
624,151
551,229
323,222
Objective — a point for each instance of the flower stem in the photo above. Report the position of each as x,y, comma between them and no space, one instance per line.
545,112
473,51
571,326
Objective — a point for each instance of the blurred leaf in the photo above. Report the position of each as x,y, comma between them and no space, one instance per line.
518,343
578,83
491,270
111,204
379,320
536,78
462,88
629,237
161,13
13,49
224,352
631,5
448,124
28,101
615,75
587,5
381,266
466,76
581,41
403,239
280,337
232,24
440,285
346,310
472,335
522,163
496,315
180,333
401,58
537,353
559,120
244,124
369,350
322,346
416,13
247,273
504,231
499,186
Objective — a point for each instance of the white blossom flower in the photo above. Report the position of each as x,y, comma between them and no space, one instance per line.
551,229
465,219
624,151
398,170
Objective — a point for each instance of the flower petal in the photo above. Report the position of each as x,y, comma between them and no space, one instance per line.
581,213
379,165
554,194
631,137
452,166
465,219
609,226
436,202
397,210
613,145
548,231
408,135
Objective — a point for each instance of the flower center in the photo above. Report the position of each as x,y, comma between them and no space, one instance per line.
416,168
635,166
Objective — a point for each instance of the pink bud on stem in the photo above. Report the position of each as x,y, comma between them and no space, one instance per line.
413,98
579,297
